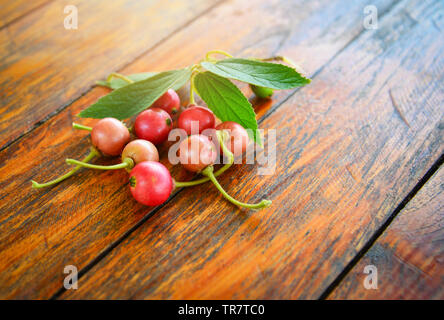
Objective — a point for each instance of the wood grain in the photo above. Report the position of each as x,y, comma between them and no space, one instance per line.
14,10
44,67
79,219
409,256
345,159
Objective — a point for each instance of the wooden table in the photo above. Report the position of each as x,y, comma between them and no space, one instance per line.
357,183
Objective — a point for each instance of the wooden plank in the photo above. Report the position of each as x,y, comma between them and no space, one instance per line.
409,256
44,67
41,232
14,10
345,159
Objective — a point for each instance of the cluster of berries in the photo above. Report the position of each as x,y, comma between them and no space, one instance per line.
150,182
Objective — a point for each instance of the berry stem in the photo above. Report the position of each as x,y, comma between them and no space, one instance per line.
209,53
120,76
180,184
127,163
81,127
92,153
208,171
221,135
192,88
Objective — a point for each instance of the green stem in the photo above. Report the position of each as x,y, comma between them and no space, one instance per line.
126,163
120,76
81,127
196,67
181,184
208,171
192,89
92,153
221,137
209,53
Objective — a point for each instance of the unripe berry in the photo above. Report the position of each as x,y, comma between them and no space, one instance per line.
140,150
262,92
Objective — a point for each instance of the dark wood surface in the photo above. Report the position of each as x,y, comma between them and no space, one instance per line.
350,147
11,11
45,67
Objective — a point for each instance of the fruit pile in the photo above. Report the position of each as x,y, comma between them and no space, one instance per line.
206,133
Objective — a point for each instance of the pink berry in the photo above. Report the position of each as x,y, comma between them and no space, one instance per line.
150,183
238,137
202,118
197,152
169,102
153,125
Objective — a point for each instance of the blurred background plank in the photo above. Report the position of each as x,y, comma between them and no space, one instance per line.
44,67
76,221
14,10
350,148
409,256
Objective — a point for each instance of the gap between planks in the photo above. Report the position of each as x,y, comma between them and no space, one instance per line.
321,68
352,263
9,23
361,253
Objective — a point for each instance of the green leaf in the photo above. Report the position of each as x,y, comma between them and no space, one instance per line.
116,83
226,101
131,99
264,74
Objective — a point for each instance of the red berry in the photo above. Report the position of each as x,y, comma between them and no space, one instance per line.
150,183
140,150
153,125
197,152
238,137
169,102
202,118
109,136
